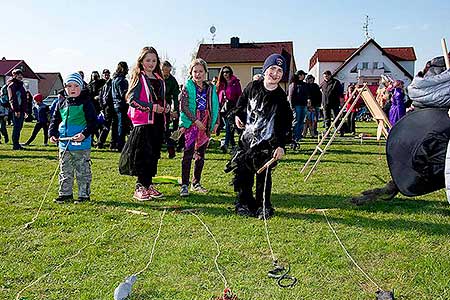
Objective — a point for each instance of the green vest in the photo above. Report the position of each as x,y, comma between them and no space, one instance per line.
213,105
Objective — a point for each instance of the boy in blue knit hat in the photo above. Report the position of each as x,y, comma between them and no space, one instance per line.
263,113
71,127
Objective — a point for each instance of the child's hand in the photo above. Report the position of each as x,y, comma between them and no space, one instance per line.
200,125
53,139
278,154
78,137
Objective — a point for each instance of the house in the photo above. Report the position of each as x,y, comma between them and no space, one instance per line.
30,79
50,83
246,59
364,64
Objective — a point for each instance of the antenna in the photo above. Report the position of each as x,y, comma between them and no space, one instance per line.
366,27
212,29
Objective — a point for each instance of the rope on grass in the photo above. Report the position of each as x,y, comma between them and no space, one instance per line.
70,257
27,225
279,272
217,245
348,254
154,244
274,259
123,290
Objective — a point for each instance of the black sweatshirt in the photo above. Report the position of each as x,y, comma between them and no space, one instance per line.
266,115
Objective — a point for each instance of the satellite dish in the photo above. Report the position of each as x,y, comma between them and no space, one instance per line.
212,29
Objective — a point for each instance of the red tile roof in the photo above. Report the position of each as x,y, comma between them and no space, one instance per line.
246,52
341,55
7,66
47,82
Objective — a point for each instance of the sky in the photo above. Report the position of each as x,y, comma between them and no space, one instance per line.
67,35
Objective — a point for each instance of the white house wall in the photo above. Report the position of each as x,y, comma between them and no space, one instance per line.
320,67
370,54
314,71
327,66
409,66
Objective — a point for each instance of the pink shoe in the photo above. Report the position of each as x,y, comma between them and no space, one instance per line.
141,194
154,193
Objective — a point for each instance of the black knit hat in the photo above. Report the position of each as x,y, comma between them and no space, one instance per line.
274,60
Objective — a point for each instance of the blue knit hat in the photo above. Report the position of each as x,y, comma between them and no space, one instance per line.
76,78
274,60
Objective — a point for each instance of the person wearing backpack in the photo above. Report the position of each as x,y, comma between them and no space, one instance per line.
18,103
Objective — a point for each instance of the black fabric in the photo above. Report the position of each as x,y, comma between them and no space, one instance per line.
142,151
300,94
331,92
244,176
267,115
416,150
314,94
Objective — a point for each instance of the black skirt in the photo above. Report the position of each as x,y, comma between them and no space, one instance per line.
142,150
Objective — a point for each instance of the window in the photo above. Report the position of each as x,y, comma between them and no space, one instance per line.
365,65
354,69
213,72
256,70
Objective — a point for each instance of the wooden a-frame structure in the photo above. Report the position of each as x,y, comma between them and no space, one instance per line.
377,113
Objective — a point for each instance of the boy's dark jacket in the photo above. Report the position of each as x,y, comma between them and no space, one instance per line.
72,116
266,115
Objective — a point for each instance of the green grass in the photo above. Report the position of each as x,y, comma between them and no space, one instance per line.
403,244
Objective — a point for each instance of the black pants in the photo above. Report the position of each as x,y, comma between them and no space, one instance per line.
38,126
147,141
244,179
351,122
327,111
110,118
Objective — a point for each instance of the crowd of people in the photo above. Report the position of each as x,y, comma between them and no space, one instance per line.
152,109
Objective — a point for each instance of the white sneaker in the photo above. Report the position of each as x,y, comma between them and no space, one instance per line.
198,188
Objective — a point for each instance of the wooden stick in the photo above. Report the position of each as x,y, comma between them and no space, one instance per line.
266,165
444,49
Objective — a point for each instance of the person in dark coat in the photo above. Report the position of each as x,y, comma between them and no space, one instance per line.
172,92
263,113
107,107
298,98
315,97
18,104
119,90
331,94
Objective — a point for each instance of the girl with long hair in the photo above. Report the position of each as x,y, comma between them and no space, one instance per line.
146,98
199,108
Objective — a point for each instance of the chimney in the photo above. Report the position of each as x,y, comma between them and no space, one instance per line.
234,42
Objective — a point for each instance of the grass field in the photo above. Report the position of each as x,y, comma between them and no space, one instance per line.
403,244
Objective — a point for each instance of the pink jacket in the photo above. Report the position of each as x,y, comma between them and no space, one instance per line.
137,112
231,92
